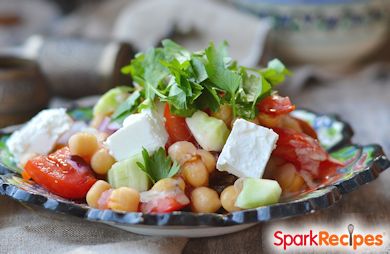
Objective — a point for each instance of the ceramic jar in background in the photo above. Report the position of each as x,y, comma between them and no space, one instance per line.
23,90
81,67
329,33
77,67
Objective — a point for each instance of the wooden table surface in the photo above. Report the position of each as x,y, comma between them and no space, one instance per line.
364,101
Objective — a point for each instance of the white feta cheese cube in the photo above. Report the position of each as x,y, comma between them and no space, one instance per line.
247,149
40,134
139,130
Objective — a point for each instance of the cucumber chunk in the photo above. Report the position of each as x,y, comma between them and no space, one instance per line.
108,103
258,192
126,173
211,133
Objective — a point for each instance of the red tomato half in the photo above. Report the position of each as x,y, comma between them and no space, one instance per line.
62,174
162,205
304,152
306,128
276,105
176,127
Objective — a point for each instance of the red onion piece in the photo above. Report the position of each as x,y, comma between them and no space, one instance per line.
108,127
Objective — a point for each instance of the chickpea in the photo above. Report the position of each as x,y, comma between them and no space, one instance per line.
297,184
228,198
225,113
169,184
205,200
101,161
284,175
195,173
273,164
288,178
95,192
208,159
124,199
181,151
83,144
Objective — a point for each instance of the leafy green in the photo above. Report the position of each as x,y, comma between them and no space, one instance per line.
175,51
221,76
209,98
158,165
191,81
129,106
254,87
200,73
181,91
276,72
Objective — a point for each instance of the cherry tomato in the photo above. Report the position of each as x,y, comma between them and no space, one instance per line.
306,128
176,127
162,205
328,167
304,152
275,105
62,174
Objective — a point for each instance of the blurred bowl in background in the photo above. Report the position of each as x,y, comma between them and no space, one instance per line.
19,19
23,90
331,33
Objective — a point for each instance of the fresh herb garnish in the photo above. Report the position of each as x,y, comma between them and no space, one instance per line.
129,106
195,81
158,165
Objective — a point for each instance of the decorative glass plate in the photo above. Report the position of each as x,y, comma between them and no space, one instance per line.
362,165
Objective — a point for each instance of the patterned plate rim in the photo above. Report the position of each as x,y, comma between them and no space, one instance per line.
331,194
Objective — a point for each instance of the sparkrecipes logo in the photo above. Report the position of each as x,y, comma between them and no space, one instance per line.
346,239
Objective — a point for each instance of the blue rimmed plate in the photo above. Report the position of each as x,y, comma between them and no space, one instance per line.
362,165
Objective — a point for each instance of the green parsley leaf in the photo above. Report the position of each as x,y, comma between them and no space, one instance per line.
187,112
175,51
155,72
275,72
158,165
181,90
251,86
177,96
200,73
209,99
146,104
201,80
217,72
128,107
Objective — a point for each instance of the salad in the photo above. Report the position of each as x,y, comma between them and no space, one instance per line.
195,132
